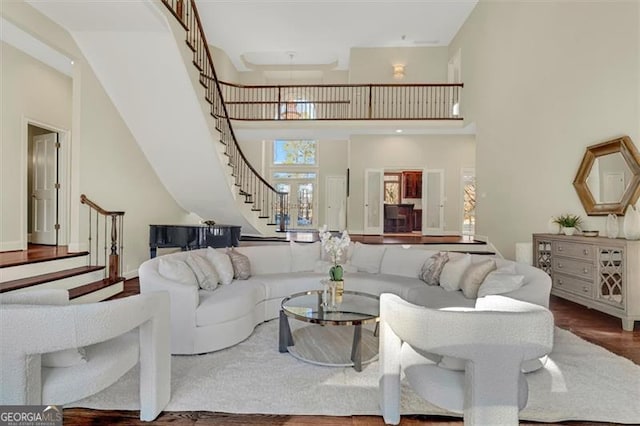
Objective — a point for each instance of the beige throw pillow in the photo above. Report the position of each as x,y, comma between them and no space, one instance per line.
176,270
474,276
222,263
453,271
240,263
432,268
204,271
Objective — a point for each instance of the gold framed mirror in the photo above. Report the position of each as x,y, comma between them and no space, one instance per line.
608,179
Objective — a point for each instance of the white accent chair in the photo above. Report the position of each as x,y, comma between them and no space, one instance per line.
494,338
116,335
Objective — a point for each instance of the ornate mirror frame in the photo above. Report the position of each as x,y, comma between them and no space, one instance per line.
624,146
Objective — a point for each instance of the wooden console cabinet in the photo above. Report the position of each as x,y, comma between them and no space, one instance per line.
597,272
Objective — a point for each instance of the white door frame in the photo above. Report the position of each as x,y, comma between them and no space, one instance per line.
342,218
64,179
463,171
426,230
379,228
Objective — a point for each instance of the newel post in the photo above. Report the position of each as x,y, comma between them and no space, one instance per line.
114,258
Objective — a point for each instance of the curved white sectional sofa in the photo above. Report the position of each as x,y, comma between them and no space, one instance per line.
204,321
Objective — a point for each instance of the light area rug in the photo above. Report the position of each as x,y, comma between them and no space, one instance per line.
581,381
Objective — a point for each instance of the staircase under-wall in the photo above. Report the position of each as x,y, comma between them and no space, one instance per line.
137,51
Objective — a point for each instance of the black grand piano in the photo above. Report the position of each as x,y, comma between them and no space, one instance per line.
190,237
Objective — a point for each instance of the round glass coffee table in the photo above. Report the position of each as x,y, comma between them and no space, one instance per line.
351,309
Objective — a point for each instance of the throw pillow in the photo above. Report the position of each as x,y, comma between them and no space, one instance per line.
453,271
304,256
177,270
432,268
222,263
367,257
499,282
474,276
204,271
56,297
240,263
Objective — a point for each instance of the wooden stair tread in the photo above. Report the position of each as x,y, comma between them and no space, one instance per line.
91,287
17,259
45,278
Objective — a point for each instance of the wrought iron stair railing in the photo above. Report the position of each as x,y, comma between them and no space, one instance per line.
343,101
263,197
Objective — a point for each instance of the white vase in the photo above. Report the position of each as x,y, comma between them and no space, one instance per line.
552,226
568,230
631,224
612,228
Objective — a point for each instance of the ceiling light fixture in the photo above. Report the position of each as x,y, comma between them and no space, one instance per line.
398,130
398,71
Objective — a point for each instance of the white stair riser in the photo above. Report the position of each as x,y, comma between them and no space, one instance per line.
67,283
32,269
102,294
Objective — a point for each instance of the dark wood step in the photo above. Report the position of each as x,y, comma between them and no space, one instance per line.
91,287
36,254
45,278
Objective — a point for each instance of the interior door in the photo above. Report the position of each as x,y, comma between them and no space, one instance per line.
336,200
433,202
373,201
44,191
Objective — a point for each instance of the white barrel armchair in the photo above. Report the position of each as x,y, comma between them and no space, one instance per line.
493,340
116,335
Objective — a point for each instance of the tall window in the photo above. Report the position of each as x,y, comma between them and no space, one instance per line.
294,170
392,188
294,152
468,202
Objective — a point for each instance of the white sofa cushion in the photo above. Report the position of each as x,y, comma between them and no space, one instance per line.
474,276
222,263
500,282
453,271
272,259
279,286
176,270
405,262
304,256
228,302
205,272
367,257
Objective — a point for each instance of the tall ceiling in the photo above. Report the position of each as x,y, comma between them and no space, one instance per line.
260,34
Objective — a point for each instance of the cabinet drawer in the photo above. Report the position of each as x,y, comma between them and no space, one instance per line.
573,285
577,250
578,268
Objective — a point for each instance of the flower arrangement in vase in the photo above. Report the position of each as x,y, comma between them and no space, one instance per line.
334,246
569,223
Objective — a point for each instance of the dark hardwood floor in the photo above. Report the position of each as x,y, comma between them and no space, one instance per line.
591,325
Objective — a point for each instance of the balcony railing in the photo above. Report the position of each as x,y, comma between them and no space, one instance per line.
343,102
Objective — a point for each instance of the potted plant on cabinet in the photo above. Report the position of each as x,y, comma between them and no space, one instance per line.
569,223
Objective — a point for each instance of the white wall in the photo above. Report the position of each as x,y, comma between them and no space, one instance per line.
30,90
543,80
107,164
451,153
375,64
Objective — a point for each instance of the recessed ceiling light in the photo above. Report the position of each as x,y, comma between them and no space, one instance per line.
398,130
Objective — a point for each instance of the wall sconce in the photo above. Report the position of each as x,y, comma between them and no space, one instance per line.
398,71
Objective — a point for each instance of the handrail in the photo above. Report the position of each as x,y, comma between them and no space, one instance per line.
117,228
256,192
272,86
85,200
354,101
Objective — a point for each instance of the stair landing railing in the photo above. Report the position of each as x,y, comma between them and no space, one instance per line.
105,232
270,203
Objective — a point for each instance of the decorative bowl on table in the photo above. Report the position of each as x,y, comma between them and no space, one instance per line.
590,233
